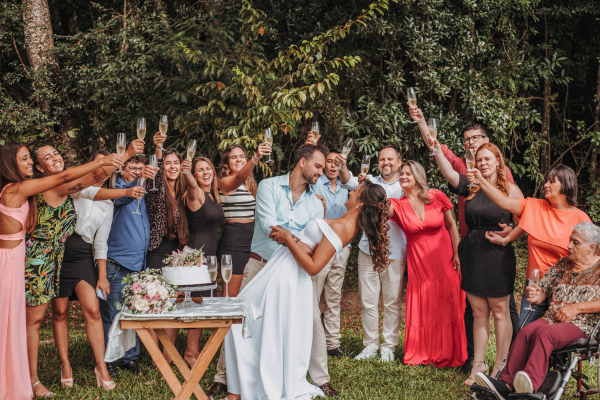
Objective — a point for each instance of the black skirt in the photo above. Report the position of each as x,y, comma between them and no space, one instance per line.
78,265
154,258
236,240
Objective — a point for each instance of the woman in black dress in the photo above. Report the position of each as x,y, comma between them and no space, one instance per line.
204,214
488,270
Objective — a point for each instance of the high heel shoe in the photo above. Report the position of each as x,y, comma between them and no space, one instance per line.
106,385
49,394
66,383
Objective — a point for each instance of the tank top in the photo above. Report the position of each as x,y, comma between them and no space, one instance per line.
203,224
241,204
20,214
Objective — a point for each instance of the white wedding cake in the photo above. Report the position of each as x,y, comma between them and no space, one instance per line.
194,275
186,267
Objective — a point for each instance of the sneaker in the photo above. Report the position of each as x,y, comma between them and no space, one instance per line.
522,383
495,385
366,354
387,356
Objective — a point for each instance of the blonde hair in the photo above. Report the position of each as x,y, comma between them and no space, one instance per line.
502,181
420,180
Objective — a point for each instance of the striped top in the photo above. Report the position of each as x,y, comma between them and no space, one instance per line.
239,205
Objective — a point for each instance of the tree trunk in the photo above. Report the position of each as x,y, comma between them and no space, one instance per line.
546,158
594,162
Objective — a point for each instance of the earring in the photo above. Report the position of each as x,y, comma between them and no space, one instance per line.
357,206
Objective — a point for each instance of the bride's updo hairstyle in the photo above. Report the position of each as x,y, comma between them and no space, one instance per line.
373,220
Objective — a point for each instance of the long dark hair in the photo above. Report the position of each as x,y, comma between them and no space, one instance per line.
173,230
373,220
224,169
109,183
11,173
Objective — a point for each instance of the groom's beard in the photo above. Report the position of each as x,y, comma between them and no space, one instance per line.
310,179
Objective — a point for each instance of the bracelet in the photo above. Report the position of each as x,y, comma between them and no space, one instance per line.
296,239
504,242
511,225
252,159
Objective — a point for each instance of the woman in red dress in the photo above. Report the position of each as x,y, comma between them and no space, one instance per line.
435,303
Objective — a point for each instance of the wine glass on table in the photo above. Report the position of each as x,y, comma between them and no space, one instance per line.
346,149
191,150
470,160
121,146
365,164
141,129
154,164
315,130
534,283
226,271
433,131
269,140
163,125
211,263
141,183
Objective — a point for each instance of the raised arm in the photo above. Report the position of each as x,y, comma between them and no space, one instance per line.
503,201
454,236
417,115
448,171
194,196
229,184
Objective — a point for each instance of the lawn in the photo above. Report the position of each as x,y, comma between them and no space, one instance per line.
353,379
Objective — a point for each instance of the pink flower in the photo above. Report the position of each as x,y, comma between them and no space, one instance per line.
146,297
136,287
156,297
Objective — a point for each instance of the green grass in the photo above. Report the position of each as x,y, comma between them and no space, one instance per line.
353,379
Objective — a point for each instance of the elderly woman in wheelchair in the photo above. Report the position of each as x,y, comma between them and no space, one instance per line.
572,288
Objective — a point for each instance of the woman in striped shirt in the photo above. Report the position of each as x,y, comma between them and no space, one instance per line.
238,197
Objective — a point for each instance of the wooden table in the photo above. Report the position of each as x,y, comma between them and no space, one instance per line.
220,328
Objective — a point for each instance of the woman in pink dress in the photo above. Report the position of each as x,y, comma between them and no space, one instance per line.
17,215
435,303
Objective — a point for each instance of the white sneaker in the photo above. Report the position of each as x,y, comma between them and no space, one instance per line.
523,383
387,356
366,354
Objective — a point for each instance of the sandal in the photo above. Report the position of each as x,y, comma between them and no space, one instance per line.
503,363
66,383
49,394
190,358
470,381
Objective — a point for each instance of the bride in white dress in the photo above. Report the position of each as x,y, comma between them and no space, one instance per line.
272,365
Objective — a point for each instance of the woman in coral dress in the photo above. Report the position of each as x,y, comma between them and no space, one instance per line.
435,303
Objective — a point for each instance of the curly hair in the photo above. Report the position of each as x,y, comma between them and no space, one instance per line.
373,220
502,181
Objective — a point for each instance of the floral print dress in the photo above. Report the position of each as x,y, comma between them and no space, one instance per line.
45,250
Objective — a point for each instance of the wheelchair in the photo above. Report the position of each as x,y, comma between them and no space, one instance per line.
564,364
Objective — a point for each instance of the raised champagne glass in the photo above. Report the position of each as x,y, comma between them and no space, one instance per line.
121,146
226,271
470,160
141,183
365,164
433,131
411,97
315,130
154,164
163,125
269,140
346,149
534,282
211,263
191,150
141,129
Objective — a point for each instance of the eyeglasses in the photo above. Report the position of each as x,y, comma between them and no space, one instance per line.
473,138
134,169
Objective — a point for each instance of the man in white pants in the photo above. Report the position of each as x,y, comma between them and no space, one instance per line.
289,202
389,281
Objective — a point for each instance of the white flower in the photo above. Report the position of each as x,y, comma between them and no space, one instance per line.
151,289
141,304
163,292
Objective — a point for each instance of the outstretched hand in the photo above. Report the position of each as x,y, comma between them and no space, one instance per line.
415,113
474,176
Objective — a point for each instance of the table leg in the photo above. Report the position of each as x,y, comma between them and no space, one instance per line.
179,362
159,359
206,355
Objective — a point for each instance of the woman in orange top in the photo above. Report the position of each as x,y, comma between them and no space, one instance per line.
548,222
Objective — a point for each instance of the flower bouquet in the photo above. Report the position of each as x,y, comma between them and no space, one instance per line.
146,292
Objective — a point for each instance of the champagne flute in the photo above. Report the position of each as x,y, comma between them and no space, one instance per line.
211,262
121,145
411,96
154,164
141,183
141,129
315,130
470,159
346,149
433,131
534,283
269,140
365,164
191,150
226,271
163,125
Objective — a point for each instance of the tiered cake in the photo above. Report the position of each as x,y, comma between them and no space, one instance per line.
186,267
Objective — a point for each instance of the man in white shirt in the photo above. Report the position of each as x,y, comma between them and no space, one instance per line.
389,281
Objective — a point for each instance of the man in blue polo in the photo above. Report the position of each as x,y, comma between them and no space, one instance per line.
127,245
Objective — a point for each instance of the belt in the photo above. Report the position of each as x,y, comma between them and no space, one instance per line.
258,258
